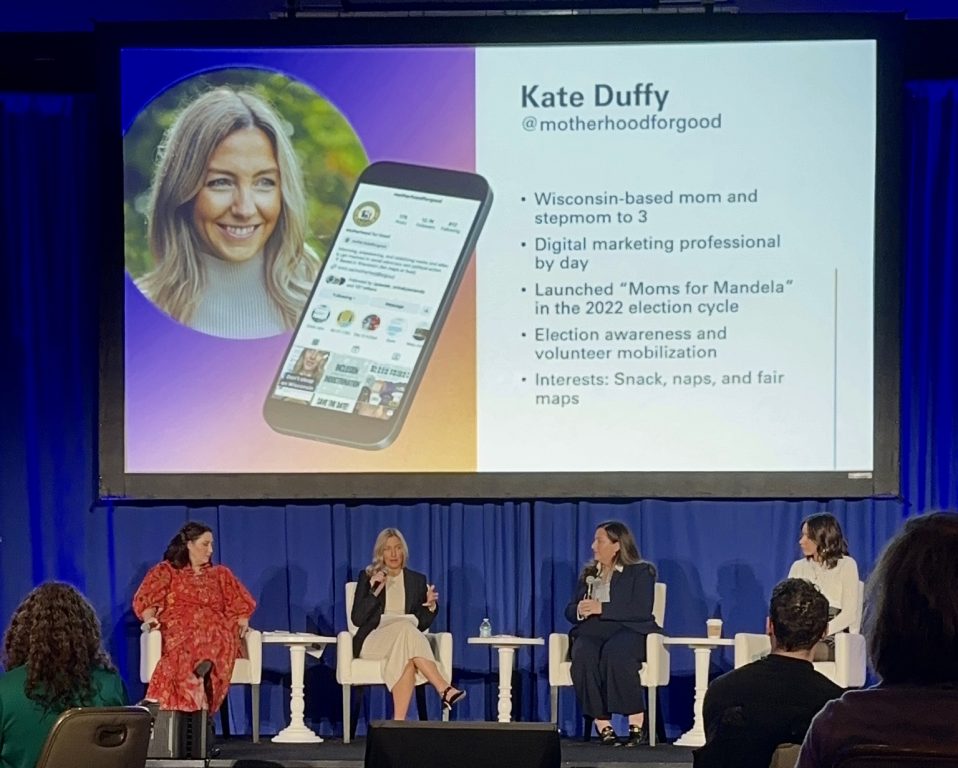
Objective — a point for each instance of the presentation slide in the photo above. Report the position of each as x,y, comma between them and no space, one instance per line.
644,257
680,275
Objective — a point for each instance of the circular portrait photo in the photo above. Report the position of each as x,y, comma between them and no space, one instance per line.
235,182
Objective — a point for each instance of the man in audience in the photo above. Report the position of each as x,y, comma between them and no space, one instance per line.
750,711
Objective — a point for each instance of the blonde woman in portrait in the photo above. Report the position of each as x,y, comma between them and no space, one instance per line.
311,363
392,608
227,220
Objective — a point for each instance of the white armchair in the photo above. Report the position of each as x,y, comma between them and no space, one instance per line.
246,671
352,671
654,672
847,671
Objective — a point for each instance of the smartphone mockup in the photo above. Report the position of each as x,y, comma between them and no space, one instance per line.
363,342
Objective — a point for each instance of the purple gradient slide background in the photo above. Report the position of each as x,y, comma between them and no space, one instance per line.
194,402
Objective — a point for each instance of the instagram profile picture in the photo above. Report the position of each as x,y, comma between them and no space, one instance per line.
228,237
366,214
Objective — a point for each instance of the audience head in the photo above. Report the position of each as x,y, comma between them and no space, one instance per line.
822,539
614,544
192,545
797,615
390,552
180,181
911,614
55,634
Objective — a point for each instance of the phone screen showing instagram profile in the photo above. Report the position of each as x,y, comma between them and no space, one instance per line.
373,307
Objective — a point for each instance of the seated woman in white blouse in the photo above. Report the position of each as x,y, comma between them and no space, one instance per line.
827,564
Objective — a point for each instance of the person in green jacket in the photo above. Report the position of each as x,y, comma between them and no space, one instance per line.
54,656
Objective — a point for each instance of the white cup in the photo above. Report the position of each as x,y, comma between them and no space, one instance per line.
713,628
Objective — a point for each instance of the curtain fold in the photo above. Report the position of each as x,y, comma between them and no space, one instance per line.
515,562
930,329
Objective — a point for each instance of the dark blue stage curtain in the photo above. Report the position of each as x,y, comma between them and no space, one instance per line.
513,562
930,338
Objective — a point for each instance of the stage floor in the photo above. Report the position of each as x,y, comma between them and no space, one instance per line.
242,753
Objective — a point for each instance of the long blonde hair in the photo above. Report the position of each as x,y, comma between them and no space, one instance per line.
177,282
378,563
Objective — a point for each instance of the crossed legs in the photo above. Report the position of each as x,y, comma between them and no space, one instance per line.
404,686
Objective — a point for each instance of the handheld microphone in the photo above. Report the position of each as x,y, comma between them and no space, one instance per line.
590,585
382,584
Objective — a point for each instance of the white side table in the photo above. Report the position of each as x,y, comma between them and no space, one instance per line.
507,645
297,732
702,647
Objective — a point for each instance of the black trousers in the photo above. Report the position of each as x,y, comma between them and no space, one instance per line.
606,658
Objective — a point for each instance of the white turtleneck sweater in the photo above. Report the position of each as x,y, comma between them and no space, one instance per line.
235,303
839,585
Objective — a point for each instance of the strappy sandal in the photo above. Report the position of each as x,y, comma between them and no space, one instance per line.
607,736
448,701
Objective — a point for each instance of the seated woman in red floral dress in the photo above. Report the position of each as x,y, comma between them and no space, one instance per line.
203,612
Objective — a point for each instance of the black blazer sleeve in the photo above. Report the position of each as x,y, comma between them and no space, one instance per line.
415,584
630,596
367,610
366,605
571,610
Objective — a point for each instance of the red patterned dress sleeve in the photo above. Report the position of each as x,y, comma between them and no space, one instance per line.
154,589
239,602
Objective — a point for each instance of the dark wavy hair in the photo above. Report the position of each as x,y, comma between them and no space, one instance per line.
176,552
55,634
799,614
628,550
827,534
911,614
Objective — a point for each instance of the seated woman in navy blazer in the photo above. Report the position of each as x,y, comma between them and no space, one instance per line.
612,613
393,606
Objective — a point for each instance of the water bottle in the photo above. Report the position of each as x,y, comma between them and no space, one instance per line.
485,629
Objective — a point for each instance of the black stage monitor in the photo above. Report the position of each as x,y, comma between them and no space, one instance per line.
392,744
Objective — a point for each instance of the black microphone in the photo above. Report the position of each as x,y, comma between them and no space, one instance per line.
382,584
594,580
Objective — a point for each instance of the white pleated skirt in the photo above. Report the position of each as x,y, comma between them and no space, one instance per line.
394,645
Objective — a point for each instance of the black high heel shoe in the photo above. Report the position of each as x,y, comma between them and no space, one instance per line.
607,736
448,700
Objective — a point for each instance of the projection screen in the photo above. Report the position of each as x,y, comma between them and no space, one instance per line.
493,257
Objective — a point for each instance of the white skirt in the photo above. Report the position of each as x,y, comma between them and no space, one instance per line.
394,645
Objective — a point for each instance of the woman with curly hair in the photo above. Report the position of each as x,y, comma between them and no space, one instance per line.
54,657
827,564
228,222
203,612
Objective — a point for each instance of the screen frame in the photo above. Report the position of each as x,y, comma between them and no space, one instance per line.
887,30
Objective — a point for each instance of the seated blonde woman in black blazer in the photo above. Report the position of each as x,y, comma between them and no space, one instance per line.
393,606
